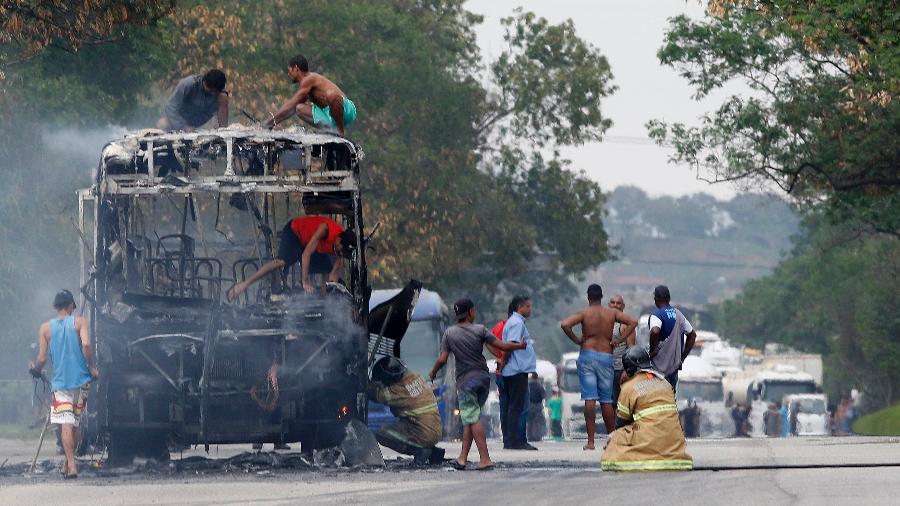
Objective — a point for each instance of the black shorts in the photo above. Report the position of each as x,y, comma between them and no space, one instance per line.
290,250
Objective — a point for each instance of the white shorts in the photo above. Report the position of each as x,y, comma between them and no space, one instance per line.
66,406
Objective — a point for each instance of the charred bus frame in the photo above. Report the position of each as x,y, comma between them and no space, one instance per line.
179,365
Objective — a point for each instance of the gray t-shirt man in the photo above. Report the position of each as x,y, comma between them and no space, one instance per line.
466,342
190,105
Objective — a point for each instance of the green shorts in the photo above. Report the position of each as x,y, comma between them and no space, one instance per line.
322,115
472,393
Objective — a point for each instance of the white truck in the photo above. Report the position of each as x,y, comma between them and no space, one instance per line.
810,412
773,385
701,382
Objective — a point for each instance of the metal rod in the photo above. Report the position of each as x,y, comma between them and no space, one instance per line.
40,443
381,335
311,357
158,368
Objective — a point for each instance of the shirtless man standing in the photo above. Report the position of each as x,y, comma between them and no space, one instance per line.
318,102
595,363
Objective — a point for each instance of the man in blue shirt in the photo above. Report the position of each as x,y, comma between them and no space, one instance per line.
68,343
520,364
668,328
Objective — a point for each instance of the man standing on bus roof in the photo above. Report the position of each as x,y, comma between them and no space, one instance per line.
317,242
68,342
668,328
318,102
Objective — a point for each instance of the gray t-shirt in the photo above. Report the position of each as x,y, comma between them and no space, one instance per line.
190,105
620,349
466,342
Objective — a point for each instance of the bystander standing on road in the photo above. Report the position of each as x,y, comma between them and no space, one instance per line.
537,424
595,362
772,420
466,341
502,397
554,407
518,366
620,345
68,343
668,328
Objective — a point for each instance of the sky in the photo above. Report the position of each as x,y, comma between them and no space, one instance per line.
628,33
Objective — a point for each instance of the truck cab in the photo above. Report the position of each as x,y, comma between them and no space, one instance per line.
700,382
807,414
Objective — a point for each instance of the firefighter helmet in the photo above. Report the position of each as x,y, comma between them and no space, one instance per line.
388,370
637,357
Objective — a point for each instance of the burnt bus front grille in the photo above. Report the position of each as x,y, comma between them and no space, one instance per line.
236,366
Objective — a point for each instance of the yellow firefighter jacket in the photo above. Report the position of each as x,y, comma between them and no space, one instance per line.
412,400
653,441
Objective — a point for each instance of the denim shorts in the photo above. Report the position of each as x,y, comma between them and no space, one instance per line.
595,373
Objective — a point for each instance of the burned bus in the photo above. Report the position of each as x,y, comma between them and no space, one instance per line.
171,222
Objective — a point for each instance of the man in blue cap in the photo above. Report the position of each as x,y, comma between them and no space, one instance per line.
668,329
68,342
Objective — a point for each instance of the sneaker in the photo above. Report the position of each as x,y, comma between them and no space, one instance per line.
522,446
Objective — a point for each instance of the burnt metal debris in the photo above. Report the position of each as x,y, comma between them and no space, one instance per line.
172,221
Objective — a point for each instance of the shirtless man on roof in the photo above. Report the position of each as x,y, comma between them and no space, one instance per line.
595,363
318,102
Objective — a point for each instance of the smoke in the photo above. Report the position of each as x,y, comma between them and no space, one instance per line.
41,168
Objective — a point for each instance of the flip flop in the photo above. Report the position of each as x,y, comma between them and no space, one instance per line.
587,449
456,465
485,468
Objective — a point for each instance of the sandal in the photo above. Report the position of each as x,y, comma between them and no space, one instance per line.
456,465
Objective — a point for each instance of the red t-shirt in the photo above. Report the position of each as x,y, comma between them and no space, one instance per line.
498,333
305,226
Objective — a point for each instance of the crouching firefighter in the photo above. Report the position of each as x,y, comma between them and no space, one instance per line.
410,398
648,435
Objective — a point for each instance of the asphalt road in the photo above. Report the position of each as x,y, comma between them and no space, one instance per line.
856,470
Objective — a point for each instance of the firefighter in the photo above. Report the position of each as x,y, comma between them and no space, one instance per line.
648,436
410,398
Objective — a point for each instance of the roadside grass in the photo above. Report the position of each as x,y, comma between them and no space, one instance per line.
880,423
19,431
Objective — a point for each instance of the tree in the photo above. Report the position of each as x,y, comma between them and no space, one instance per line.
821,120
28,27
835,296
454,209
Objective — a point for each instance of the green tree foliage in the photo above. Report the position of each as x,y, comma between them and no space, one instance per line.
835,296
457,210
822,117
452,167
28,27
548,84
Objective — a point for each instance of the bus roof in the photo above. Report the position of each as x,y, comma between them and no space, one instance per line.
429,307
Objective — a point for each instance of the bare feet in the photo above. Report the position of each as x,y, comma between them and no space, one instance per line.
589,446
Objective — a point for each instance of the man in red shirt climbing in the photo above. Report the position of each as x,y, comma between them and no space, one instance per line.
317,242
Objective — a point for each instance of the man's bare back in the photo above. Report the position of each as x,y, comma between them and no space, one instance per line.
320,90
597,323
597,328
